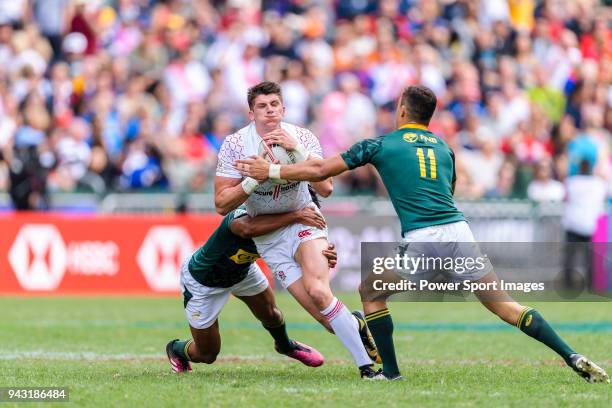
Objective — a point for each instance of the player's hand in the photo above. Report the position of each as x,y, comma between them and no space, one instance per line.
280,137
331,255
308,216
255,167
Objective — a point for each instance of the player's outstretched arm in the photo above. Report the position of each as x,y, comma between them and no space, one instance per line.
309,170
230,193
247,227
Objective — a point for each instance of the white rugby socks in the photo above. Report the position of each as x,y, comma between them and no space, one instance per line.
347,329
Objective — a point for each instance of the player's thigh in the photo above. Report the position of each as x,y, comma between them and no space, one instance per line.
202,304
262,305
469,261
255,291
313,263
307,244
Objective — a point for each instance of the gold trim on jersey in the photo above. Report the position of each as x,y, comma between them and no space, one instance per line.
413,126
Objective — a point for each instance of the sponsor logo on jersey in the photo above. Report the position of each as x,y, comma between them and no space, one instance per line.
528,321
413,137
283,189
276,193
304,233
243,257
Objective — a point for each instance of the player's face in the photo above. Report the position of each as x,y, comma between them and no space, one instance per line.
268,111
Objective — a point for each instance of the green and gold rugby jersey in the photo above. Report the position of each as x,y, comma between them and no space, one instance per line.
418,170
225,258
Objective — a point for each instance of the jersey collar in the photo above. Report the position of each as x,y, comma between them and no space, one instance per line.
414,126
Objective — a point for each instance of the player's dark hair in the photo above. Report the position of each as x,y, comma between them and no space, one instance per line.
420,103
263,88
314,196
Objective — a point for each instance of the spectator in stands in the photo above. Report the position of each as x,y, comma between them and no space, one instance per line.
31,158
543,188
586,194
510,71
483,166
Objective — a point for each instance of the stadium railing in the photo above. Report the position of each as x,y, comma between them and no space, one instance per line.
491,220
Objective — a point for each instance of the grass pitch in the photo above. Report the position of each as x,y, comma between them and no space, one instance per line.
110,352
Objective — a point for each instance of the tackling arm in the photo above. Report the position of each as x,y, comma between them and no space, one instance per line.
309,170
314,169
229,194
247,227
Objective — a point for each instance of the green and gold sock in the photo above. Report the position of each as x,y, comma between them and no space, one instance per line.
533,324
181,348
381,327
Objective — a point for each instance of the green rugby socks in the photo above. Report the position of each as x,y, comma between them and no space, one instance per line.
279,333
381,327
533,324
180,348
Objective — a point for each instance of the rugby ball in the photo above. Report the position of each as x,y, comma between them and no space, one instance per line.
277,154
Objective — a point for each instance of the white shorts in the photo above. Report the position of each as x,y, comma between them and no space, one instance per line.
203,304
279,253
454,240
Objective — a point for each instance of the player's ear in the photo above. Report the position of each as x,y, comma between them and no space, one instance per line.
251,115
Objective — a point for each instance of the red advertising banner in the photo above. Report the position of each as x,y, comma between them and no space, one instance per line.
98,254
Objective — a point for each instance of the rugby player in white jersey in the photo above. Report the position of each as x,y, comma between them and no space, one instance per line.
294,253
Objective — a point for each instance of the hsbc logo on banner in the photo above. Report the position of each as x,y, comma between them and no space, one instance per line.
38,257
163,250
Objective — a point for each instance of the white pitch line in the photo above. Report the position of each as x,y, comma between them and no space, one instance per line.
94,356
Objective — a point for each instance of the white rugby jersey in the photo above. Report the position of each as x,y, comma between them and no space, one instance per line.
268,198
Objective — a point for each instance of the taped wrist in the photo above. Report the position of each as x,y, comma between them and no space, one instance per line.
249,185
274,171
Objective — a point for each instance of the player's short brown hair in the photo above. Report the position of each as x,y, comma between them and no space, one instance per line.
420,103
263,88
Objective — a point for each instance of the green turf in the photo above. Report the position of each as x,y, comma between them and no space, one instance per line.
110,352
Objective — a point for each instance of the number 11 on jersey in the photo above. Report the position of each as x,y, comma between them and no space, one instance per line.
432,163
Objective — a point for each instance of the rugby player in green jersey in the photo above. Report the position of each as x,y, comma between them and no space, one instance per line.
418,170
225,265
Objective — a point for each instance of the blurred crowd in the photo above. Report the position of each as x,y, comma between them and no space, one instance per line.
137,95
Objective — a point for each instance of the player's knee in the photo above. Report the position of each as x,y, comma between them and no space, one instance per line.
365,290
206,357
321,296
